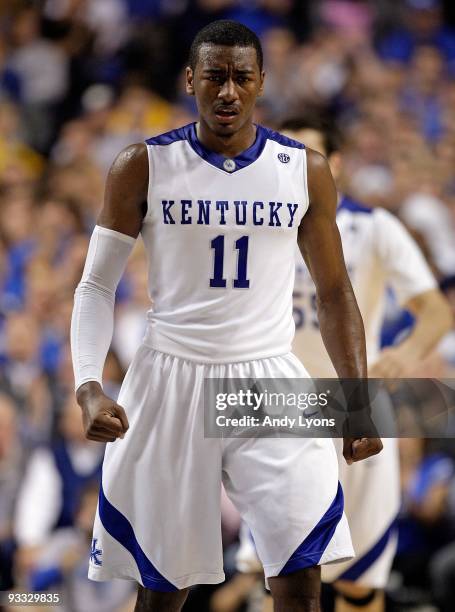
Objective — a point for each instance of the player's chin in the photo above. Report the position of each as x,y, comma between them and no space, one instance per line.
224,127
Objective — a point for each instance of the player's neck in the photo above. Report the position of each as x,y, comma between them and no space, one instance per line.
229,146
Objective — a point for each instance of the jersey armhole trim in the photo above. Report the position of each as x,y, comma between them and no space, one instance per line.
305,182
282,139
148,212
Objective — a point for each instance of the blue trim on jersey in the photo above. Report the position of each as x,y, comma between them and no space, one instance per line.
189,133
282,139
361,565
243,160
353,206
119,527
169,137
313,546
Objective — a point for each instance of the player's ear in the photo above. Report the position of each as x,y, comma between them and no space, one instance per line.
261,84
189,81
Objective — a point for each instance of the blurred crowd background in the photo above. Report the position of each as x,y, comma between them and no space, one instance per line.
81,79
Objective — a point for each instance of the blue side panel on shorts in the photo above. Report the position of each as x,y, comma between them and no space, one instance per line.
119,527
366,561
313,546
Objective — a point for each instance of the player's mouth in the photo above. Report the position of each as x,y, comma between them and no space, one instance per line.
226,115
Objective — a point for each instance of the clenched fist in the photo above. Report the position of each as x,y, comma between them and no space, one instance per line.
103,419
356,449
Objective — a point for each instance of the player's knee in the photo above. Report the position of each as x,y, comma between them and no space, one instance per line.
299,591
156,601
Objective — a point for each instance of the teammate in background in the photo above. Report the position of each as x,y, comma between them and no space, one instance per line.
220,205
379,253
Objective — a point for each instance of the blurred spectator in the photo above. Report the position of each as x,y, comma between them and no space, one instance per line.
81,181
10,84
19,164
24,377
62,565
354,19
423,96
279,47
422,24
63,470
423,526
42,67
259,15
12,463
105,18
16,215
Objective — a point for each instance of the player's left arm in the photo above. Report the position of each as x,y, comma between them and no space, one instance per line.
339,316
416,289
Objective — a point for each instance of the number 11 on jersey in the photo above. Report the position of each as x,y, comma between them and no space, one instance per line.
241,245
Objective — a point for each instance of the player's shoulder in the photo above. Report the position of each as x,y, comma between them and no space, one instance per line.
280,139
168,138
131,163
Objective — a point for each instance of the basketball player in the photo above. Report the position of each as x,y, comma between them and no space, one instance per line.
379,253
220,205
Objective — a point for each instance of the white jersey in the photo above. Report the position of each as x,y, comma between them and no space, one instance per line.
220,235
379,253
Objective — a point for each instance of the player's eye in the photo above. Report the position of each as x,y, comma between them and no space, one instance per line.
216,78
242,79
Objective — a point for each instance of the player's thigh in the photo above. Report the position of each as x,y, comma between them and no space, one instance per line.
155,601
159,511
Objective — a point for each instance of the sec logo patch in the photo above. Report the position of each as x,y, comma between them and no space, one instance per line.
284,158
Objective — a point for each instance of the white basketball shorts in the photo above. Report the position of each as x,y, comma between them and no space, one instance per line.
372,502
158,518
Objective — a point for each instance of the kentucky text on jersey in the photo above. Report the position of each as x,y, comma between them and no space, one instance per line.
220,236
208,212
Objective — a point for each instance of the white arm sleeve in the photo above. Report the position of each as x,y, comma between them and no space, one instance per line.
406,269
92,323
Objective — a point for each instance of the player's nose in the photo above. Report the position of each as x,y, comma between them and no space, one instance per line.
228,92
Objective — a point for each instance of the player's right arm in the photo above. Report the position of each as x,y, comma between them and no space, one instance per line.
92,323
338,313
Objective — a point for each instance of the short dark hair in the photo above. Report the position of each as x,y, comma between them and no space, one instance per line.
329,130
228,33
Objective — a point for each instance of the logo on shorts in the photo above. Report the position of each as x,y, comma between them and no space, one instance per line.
284,158
95,553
